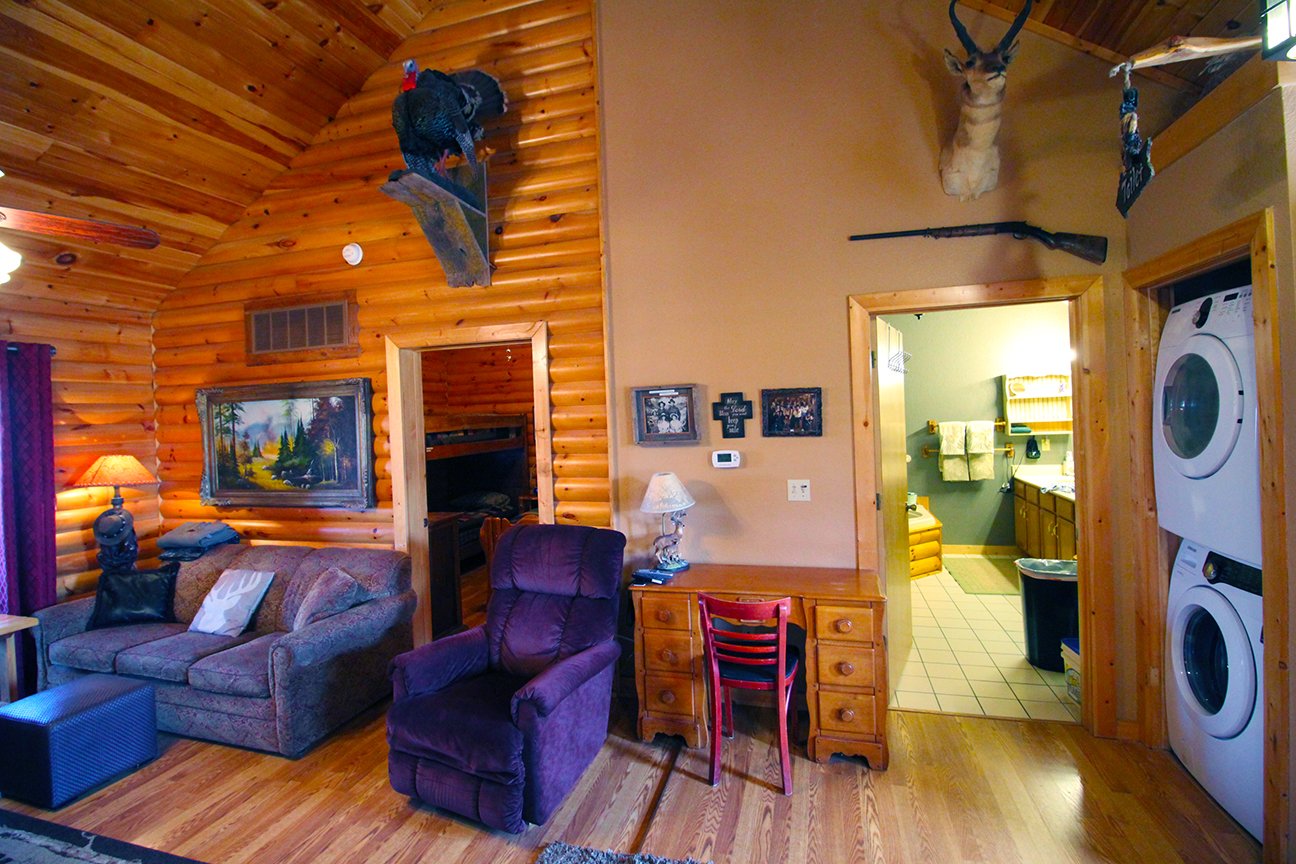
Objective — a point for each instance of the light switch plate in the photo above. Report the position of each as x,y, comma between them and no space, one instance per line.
798,490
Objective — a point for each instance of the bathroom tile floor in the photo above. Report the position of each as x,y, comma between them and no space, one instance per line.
968,657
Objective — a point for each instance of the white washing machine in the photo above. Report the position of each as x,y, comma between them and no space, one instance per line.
1215,693
1205,453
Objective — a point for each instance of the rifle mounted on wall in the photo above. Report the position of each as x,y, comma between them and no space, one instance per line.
1085,246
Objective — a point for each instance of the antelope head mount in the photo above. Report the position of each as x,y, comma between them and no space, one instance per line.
969,164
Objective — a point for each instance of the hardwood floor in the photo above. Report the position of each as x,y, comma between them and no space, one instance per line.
959,789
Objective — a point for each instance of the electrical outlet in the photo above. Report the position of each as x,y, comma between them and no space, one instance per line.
1044,444
798,490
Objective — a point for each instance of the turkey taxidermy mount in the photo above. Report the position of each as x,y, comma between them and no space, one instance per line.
437,116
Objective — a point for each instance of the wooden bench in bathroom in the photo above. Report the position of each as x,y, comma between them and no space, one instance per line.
924,543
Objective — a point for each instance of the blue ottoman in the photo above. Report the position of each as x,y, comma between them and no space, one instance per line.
61,743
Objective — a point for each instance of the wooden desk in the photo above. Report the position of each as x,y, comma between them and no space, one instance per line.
10,626
841,611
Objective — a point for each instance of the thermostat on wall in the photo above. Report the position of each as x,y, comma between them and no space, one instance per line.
725,458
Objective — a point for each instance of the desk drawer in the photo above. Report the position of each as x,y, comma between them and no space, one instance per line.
844,623
667,650
667,611
845,666
668,694
852,713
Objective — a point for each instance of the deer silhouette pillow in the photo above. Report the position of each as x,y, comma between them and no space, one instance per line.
231,602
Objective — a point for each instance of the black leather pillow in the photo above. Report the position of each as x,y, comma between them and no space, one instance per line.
135,597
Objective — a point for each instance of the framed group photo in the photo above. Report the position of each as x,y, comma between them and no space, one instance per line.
794,412
665,415
295,444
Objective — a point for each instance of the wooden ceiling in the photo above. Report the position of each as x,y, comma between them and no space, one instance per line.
1113,30
176,114
173,114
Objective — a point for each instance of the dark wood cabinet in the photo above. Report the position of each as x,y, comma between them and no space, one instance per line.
444,569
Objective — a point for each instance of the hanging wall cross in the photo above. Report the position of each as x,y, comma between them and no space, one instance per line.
733,412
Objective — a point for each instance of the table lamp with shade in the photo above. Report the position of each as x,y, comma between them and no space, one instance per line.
666,495
114,528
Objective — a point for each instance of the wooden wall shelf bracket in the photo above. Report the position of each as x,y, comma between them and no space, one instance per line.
456,229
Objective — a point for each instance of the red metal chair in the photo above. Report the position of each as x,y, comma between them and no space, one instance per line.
744,651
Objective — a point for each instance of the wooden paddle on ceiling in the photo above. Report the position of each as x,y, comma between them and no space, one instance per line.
78,229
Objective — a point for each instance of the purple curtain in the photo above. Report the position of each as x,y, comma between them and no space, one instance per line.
27,555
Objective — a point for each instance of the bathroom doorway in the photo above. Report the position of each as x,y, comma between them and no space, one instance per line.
987,423
881,531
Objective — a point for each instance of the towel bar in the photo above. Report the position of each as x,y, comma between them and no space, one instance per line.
933,426
928,452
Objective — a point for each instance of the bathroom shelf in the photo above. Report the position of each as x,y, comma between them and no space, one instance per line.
1042,402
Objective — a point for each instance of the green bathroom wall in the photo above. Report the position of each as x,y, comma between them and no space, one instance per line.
955,372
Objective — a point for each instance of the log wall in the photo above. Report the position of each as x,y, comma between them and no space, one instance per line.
491,379
544,209
96,311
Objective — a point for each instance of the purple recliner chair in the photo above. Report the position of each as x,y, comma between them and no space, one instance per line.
499,722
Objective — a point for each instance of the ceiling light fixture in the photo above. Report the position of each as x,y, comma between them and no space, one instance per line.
1278,27
9,261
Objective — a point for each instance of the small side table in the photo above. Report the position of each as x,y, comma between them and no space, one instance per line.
10,626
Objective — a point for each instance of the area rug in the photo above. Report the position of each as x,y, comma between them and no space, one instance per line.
29,840
978,575
562,853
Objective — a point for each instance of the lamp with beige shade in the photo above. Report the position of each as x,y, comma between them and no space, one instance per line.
667,495
114,528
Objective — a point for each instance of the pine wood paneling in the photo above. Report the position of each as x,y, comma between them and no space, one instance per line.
490,379
103,403
543,205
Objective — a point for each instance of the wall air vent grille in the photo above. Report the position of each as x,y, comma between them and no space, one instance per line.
296,328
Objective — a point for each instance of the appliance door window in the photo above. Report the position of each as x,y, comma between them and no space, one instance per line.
1201,406
1213,665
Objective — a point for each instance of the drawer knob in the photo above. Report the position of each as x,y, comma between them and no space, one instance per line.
667,656
846,715
666,697
845,668
664,615
843,625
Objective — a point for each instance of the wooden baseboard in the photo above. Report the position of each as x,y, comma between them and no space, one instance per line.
1128,730
951,549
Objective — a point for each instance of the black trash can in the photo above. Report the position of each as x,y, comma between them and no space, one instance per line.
1050,608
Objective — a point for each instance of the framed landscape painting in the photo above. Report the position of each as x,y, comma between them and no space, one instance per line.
297,444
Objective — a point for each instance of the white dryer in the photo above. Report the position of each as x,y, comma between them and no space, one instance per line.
1205,453
1215,692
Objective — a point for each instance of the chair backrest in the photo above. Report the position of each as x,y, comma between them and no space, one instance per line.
750,642
493,528
554,592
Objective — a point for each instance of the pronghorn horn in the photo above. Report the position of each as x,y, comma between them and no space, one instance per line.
968,45
1018,23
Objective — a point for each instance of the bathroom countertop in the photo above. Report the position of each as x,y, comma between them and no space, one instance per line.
1047,479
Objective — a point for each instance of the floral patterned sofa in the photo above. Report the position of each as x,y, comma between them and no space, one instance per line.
271,688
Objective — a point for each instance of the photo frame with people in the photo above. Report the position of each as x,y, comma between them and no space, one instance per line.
665,415
792,412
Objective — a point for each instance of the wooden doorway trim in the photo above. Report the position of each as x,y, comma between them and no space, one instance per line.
405,347
1148,301
1089,442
